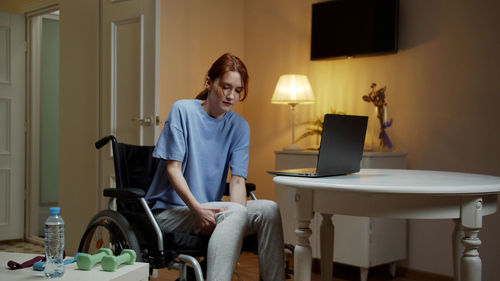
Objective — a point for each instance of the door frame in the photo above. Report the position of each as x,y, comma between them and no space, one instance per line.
32,173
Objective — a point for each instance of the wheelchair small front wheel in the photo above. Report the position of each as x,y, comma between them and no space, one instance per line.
109,229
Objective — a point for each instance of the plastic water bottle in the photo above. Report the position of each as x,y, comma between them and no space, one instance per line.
54,244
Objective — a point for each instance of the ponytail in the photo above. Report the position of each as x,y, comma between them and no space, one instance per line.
202,95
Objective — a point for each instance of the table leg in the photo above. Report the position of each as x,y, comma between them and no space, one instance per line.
363,273
458,248
393,266
302,253
472,222
326,242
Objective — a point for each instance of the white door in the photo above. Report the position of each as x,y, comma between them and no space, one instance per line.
128,76
12,126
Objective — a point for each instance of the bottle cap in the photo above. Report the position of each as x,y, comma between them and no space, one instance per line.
55,210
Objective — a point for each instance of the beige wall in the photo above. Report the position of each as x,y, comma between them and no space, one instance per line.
78,130
13,6
442,94
441,85
194,33
276,42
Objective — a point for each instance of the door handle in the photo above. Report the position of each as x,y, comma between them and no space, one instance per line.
158,121
146,121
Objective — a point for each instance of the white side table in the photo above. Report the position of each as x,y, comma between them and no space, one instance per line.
138,271
363,242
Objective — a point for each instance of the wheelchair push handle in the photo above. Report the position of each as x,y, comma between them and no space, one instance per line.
102,142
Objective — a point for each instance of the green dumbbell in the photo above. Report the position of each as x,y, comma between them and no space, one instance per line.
86,261
110,263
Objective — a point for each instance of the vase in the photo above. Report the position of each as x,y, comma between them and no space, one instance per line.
385,143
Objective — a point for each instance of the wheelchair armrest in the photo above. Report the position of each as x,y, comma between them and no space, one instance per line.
124,193
136,194
249,186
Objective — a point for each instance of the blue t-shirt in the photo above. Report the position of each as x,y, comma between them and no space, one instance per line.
207,148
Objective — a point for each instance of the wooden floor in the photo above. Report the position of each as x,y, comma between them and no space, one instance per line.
247,270
21,247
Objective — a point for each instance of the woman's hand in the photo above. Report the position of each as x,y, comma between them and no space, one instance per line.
206,218
204,214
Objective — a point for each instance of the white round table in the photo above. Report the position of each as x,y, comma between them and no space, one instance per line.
408,194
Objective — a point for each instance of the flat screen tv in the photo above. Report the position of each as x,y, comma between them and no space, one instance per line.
348,28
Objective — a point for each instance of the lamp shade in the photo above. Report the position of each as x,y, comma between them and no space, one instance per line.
293,89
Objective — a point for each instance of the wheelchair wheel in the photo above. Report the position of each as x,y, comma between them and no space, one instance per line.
109,229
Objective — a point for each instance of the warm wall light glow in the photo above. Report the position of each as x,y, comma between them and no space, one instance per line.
293,89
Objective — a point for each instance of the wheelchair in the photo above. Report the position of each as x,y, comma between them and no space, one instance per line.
129,223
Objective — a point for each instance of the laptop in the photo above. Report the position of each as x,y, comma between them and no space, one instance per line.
341,148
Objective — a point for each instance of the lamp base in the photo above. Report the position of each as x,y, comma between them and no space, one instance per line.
292,147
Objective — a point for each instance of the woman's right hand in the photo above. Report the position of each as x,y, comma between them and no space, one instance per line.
206,218
204,214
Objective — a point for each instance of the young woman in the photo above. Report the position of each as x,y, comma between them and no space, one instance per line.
202,140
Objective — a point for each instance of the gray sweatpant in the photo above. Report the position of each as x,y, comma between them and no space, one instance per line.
261,217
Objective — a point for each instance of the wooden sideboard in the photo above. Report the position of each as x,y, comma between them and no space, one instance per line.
358,241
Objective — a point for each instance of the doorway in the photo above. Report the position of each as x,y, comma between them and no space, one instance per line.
43,119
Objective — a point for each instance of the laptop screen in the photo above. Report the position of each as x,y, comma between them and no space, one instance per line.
342,143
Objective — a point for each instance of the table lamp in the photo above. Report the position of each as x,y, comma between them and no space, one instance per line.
293,89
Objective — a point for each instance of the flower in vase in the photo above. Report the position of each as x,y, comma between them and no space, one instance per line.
377,97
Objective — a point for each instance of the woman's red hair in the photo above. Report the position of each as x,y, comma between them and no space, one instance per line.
223,64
